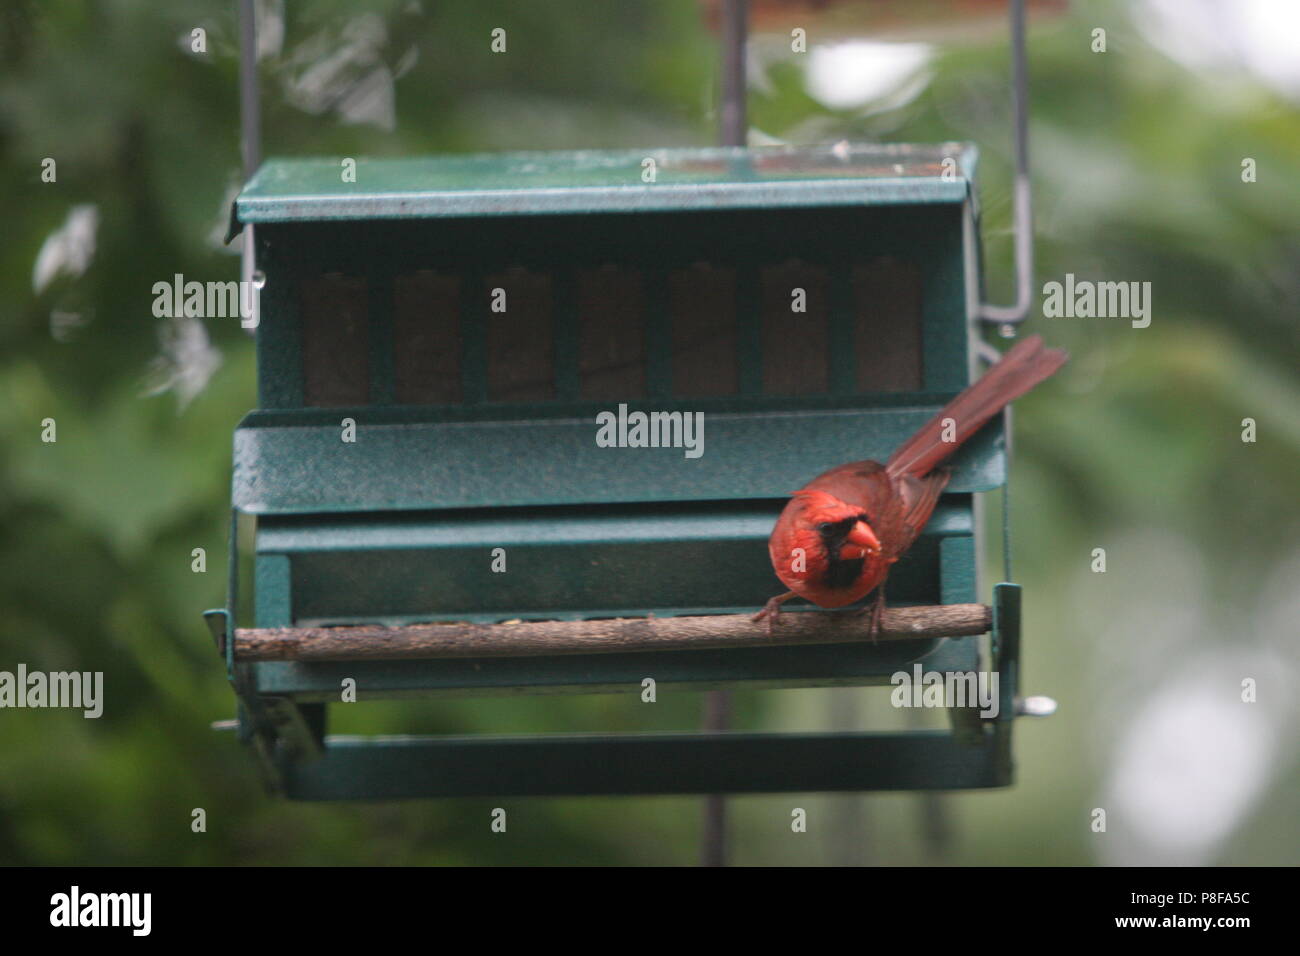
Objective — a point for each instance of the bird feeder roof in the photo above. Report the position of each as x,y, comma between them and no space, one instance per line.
594,181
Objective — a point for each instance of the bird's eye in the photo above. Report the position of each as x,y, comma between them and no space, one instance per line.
825,526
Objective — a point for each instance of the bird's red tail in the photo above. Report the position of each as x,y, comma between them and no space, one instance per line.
1023,367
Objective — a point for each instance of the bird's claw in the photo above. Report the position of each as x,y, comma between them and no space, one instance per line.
875,612
771,613
772,610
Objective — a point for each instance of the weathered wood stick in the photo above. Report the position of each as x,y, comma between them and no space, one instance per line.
539,638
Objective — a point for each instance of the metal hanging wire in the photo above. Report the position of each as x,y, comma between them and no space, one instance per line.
1008,317
250,139
732,128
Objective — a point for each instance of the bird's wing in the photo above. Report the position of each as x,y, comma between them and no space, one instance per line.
919,497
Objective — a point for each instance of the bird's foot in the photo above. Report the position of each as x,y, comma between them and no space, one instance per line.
876,618
772,610
771,613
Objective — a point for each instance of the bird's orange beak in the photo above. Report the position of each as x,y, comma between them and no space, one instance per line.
862,535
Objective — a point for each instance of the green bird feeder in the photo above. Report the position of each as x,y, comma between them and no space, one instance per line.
436,342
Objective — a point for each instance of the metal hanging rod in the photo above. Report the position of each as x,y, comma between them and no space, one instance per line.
1022,213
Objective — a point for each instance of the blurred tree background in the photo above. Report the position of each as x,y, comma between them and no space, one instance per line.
1136,449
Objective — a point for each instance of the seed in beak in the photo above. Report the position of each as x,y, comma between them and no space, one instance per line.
862,535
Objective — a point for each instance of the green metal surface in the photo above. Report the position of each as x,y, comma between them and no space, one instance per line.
740,521
565,563
314,190
397,768
308,469
1005,644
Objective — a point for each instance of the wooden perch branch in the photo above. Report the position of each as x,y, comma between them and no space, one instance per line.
540,638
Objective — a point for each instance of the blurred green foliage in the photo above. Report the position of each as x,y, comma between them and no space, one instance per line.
1137,449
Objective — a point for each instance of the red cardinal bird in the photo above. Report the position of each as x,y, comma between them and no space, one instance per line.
841,533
